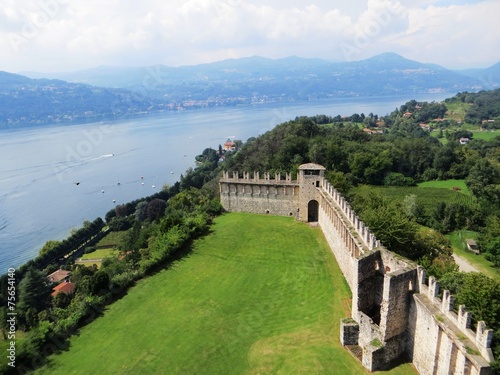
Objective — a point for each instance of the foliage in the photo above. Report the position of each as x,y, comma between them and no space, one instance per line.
485,105
49,246
489,240
79,238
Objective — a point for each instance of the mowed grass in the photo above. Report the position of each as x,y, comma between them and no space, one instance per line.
447,184
100,254
259,295
112,238
486,135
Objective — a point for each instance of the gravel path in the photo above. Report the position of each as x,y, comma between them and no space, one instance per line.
464,265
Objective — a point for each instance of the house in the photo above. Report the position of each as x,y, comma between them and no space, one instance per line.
425,127
464,141
472,246
407,114
58,276
373,131
65,287
229,146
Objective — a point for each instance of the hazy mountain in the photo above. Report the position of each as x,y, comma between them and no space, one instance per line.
489,77
25,101
132,90
293,78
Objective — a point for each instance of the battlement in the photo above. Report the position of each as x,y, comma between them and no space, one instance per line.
255,178
481,338
364,234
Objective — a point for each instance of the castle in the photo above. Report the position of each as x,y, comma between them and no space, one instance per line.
396,309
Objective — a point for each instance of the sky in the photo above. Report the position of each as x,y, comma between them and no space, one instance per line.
69,35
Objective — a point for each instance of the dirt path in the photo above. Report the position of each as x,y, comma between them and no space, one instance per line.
464,265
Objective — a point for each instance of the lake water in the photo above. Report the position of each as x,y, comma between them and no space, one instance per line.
118,162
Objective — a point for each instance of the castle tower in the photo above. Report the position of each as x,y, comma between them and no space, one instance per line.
310,179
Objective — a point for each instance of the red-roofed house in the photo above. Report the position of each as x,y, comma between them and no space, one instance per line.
229,146
65,287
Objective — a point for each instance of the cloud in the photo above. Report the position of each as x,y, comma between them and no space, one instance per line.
48,35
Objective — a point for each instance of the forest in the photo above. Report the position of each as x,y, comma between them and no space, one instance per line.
398,153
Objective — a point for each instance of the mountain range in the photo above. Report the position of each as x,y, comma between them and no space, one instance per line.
113,92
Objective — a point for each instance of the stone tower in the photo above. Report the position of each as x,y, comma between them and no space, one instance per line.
310,179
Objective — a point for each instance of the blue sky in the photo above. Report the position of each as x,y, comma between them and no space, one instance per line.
64,35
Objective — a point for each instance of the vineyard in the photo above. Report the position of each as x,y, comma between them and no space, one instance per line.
427,197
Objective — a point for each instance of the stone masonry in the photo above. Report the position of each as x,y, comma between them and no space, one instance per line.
395,308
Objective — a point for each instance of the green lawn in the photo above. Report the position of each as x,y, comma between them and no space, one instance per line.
447,184
112,238
100,254
260,295
486,135
457,240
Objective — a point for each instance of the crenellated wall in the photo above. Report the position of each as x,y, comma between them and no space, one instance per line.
395,308
260,195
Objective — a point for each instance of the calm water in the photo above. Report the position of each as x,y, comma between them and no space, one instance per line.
118,162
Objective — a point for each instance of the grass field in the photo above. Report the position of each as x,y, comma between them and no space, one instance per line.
447,184
100,254
260,295
427,197
486,135
457,110
457,240
112,238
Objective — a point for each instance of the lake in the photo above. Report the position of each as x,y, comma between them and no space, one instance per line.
53,178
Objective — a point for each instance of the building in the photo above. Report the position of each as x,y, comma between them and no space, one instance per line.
396,310
472,246
58,276
229,146
65,287
464,141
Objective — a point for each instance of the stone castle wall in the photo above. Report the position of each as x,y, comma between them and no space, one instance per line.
395,307
260,196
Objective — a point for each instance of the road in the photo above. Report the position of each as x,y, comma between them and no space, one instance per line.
464,265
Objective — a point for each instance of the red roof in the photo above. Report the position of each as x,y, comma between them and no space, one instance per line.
66,288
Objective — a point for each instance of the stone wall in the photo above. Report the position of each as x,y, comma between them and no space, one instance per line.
262,196
396,309
440,341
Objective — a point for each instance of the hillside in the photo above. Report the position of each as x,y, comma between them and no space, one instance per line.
33,102
259,79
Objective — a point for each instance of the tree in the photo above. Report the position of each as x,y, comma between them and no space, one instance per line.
99,283
156,209
49,245
392,227
489,240
121,210
141,211
484,180
34,293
